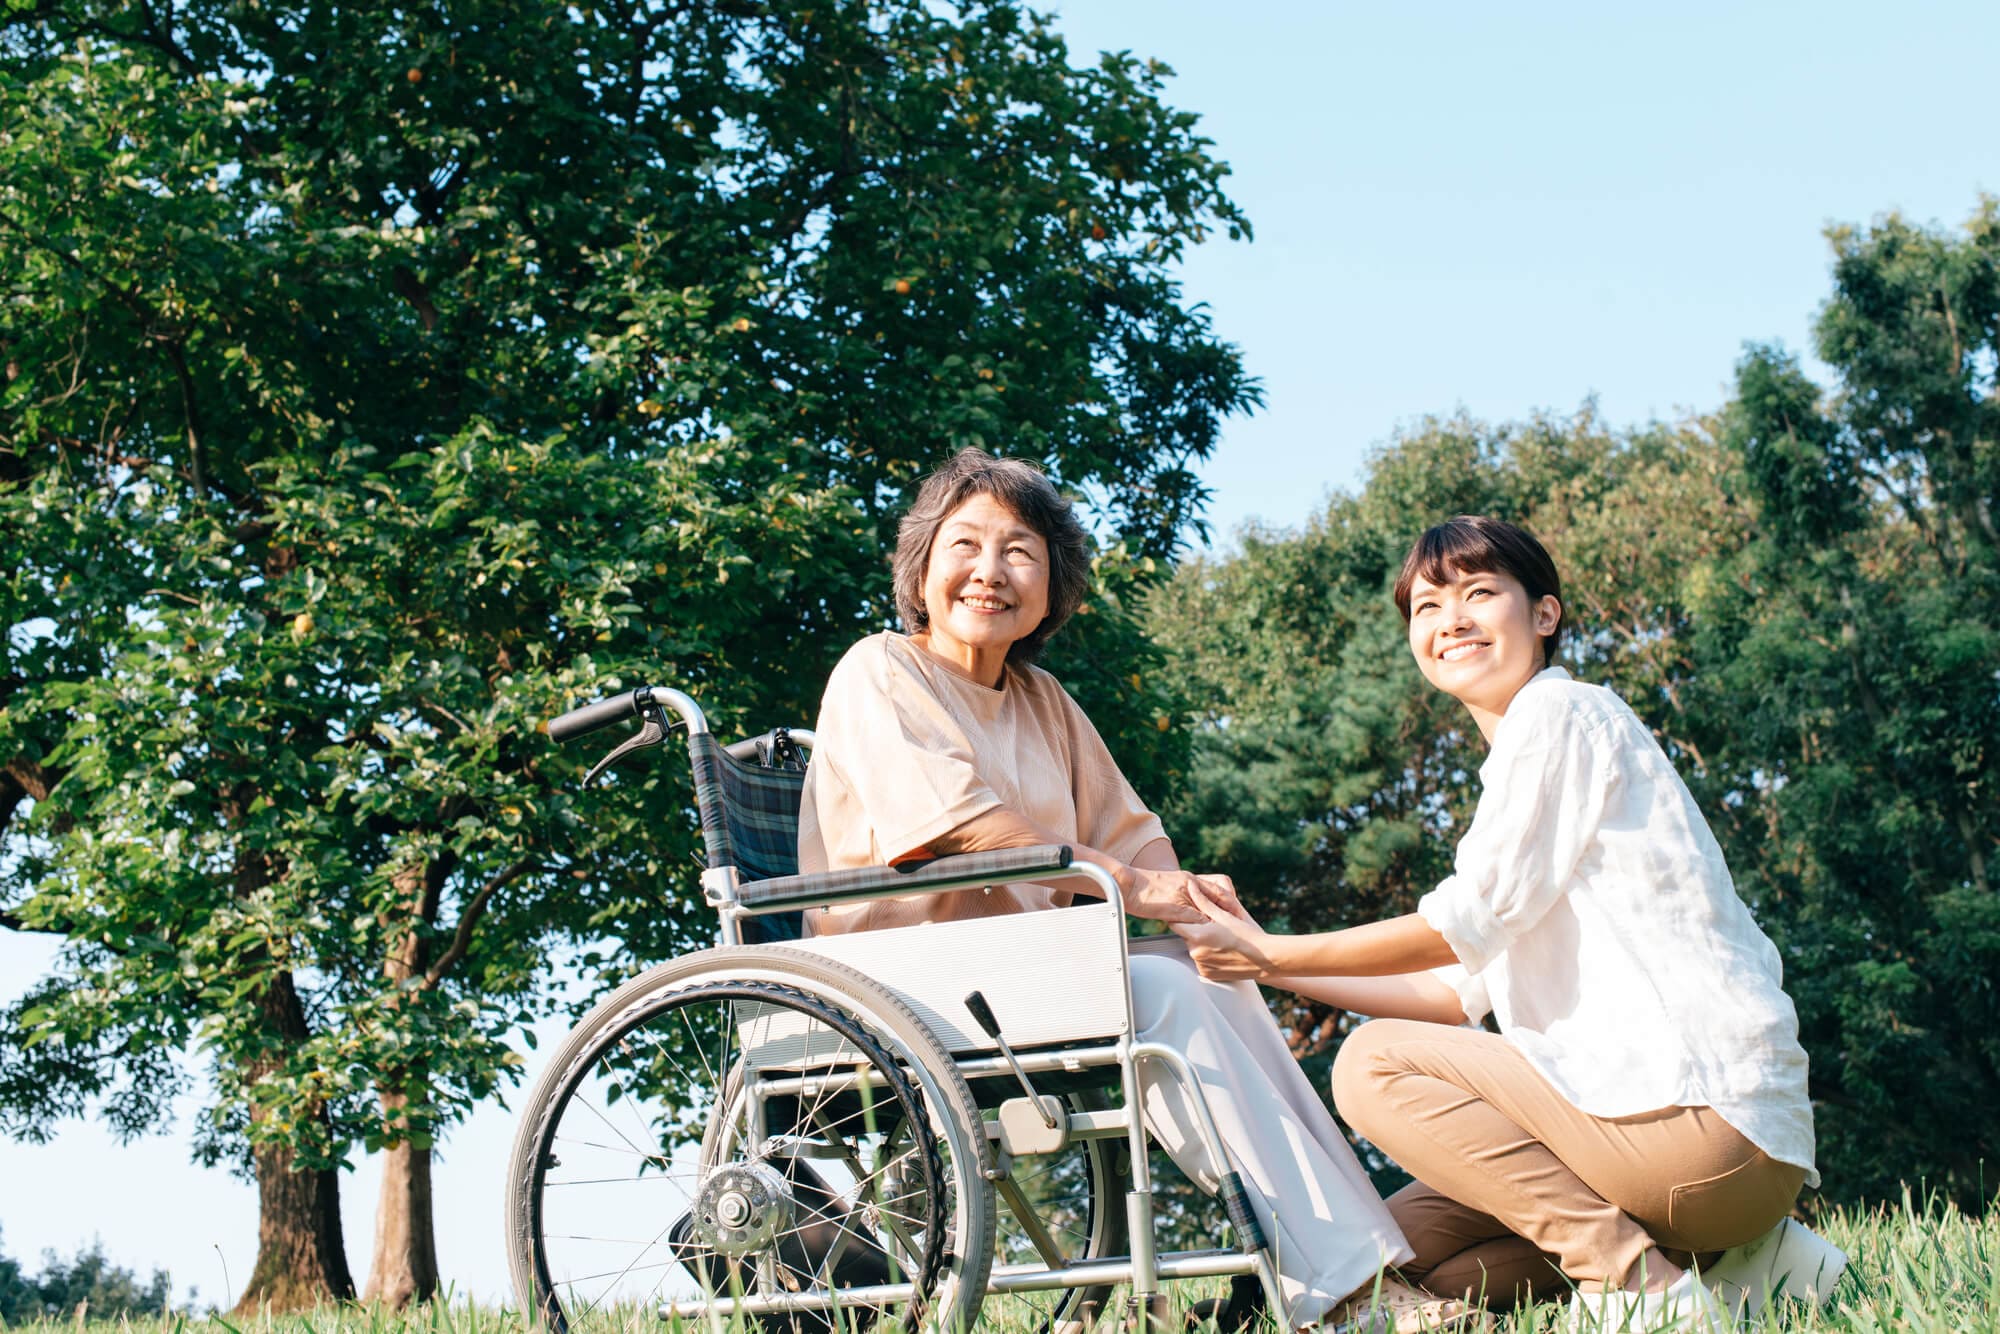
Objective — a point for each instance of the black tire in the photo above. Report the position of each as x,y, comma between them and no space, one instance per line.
865,1189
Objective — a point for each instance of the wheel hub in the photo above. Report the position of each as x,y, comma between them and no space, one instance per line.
742,1207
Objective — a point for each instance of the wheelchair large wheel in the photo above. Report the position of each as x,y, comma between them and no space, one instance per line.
1076,1200
752,1122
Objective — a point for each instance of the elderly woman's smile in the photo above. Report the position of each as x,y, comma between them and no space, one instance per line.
986,588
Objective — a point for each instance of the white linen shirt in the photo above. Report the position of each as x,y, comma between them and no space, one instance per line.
1593,915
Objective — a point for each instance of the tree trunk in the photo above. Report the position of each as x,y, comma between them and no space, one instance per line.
301,1254
404,1266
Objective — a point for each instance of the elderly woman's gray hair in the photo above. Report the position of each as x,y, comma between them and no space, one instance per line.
1024,489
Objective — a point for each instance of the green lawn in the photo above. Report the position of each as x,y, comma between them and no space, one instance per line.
1914,1269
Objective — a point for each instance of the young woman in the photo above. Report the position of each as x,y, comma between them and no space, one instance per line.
1645,1098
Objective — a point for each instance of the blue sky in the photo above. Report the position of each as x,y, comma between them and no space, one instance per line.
1511,208
1497,208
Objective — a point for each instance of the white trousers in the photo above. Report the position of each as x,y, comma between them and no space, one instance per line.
1328,1228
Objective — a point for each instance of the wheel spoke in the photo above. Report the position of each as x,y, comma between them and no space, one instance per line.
648,1155
614,1181
694,1040
628,1268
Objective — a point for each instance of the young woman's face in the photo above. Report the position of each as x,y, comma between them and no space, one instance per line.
1478,636
988,582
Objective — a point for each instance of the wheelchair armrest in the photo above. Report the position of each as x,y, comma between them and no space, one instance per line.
964,871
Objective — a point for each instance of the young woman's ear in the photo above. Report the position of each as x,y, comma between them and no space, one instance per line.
1547,613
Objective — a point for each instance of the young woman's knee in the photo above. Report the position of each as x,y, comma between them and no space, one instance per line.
1367,1058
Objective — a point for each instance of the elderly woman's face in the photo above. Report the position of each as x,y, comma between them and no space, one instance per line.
988,582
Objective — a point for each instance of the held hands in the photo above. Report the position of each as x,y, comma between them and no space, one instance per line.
1226,946
1178,897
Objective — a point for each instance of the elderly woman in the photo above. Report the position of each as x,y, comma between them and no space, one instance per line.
948,740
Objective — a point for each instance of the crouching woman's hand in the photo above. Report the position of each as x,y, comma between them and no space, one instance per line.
1226,945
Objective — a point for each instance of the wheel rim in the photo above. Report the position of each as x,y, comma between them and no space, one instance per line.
654,1180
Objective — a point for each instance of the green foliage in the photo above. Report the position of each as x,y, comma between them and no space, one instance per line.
88,1283
1914,1265
1797,596
18,1298
1852,653
1107,657
361,413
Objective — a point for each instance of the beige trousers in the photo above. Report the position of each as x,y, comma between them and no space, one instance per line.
1516,1188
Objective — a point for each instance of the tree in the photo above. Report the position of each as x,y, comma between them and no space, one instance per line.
362,412
1852,652
19,1302
1797,596
89,1283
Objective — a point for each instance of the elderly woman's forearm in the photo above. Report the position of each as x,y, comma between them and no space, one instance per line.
993,830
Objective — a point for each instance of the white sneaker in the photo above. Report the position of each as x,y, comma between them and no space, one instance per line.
1683,1304
1791,1260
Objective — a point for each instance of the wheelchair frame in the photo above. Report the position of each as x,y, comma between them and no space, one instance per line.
739,902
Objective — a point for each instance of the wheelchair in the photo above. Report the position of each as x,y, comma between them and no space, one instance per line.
836,1132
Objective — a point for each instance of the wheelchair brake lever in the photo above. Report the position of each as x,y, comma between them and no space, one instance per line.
983,1014
653,730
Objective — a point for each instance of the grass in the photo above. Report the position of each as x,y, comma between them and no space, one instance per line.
1915,1267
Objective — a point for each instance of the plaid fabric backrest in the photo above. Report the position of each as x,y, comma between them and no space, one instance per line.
749,820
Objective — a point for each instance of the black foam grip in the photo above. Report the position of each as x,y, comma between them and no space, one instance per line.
983,1012
592,717
1236,1200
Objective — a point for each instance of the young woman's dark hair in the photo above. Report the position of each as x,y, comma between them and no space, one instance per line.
1475,544
1024,489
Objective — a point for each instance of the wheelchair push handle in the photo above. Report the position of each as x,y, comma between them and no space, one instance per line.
595,716
651,705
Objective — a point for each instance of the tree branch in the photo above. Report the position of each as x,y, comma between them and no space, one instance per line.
126,296
37,780
11,921
197,468
156,328
475,908
443,712
11,795
411,288
103,454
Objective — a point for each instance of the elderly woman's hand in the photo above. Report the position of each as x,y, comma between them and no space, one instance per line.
1226,945
1175,896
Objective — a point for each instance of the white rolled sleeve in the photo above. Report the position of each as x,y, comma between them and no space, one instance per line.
1544,792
